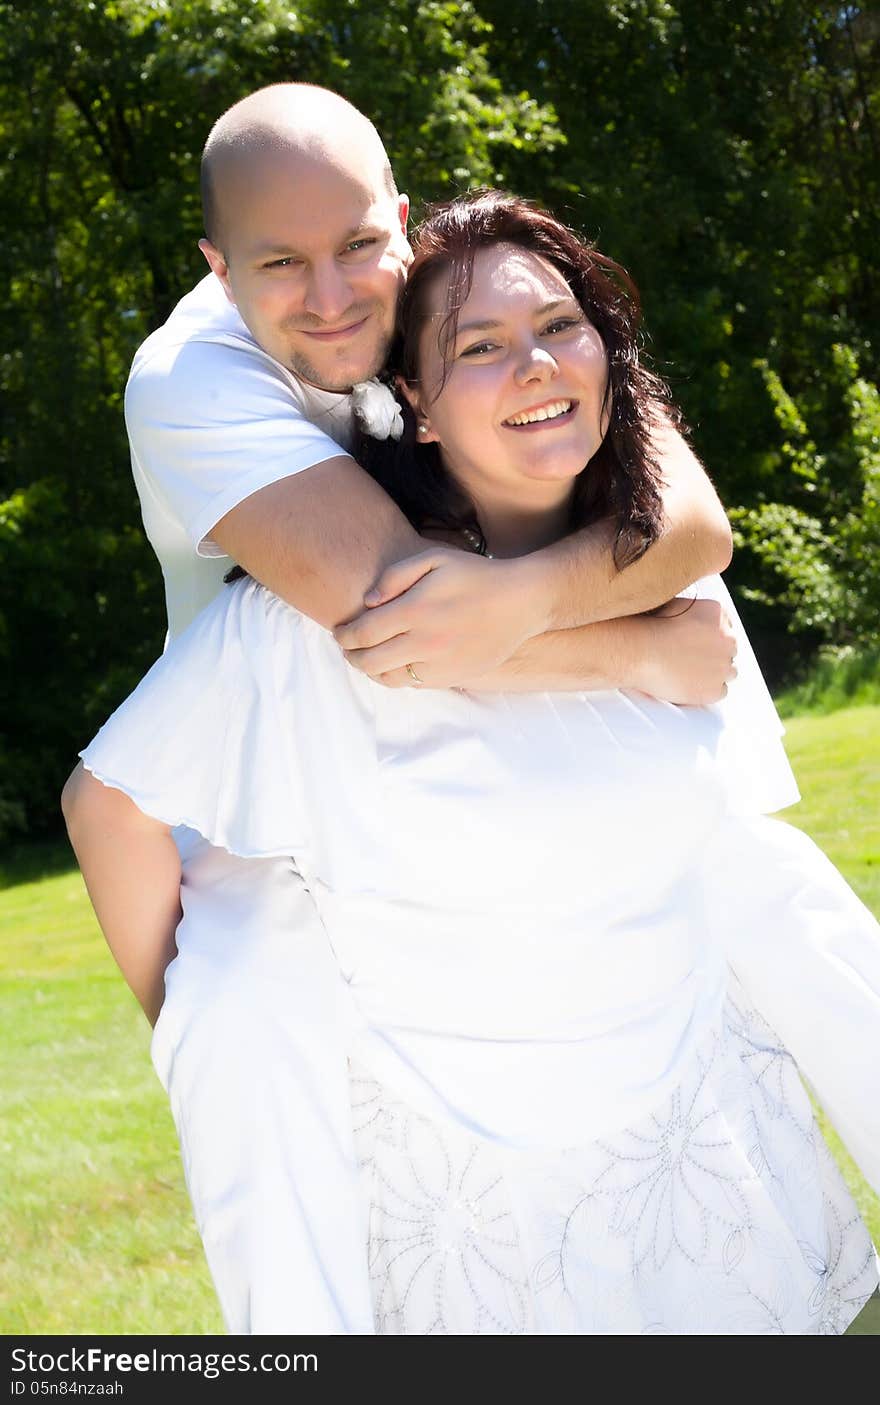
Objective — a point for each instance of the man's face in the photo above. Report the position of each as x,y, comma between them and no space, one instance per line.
314,257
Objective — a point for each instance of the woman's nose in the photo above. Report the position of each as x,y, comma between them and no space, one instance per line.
535,364
328,295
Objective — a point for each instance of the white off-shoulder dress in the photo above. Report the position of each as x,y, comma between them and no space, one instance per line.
568,1116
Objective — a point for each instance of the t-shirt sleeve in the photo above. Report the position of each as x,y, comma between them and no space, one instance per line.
210,423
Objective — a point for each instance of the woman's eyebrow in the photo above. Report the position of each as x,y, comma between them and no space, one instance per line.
477,327
539,312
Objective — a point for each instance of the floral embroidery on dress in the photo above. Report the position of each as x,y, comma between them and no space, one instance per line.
444,1252
722,1213
720,1180
671,1186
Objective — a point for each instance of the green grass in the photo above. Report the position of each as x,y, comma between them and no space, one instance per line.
94,1219
837,763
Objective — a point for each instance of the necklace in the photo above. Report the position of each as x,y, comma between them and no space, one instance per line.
472,539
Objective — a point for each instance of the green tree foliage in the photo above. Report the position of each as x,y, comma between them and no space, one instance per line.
822,564
726,153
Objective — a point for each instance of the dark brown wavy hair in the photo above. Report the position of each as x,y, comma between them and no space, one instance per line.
622,480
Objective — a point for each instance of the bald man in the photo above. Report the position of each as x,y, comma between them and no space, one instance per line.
239,413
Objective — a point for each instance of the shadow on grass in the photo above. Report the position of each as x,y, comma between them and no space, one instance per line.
29,862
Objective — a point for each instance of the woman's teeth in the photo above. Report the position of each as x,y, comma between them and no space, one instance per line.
546,412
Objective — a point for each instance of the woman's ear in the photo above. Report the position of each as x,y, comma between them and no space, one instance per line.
424,432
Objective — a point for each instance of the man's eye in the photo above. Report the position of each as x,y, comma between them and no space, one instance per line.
288,262
358,244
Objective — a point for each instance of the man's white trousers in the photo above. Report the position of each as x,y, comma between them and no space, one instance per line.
251,1049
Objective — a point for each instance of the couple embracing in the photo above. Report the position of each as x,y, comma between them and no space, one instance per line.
488,973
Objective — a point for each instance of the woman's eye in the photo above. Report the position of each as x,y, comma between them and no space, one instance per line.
562,324
479,348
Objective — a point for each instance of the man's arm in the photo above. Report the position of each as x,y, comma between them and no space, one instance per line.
321,538
415,614
224,451
682,653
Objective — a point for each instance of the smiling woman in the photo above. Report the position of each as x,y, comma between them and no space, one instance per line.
517,352
542,370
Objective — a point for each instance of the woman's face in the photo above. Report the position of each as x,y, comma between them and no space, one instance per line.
520,413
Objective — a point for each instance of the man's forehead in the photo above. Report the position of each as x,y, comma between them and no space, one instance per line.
304,209
297,237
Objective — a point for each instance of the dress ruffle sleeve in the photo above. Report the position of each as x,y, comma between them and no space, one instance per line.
201,741
758,776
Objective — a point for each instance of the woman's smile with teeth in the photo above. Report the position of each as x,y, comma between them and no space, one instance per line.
553,411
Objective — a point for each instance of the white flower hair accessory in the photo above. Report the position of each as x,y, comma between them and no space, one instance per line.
377,408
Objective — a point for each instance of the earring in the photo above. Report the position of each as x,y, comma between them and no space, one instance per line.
423,429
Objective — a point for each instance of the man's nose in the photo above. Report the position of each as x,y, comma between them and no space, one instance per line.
535,363
328,295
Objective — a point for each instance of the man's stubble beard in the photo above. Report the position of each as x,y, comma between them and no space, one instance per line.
306,371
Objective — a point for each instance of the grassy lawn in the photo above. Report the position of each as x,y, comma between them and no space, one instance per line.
837,762
94,1218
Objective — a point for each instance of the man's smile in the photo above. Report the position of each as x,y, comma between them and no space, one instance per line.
337,333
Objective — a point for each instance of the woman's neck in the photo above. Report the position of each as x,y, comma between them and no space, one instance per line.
516,529
517,517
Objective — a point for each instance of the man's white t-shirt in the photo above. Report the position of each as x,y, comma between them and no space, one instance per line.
211,419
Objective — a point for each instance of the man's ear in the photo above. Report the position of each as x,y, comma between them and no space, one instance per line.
403,212
218,266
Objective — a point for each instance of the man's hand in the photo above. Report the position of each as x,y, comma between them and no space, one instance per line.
460,620
689,653
449,614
